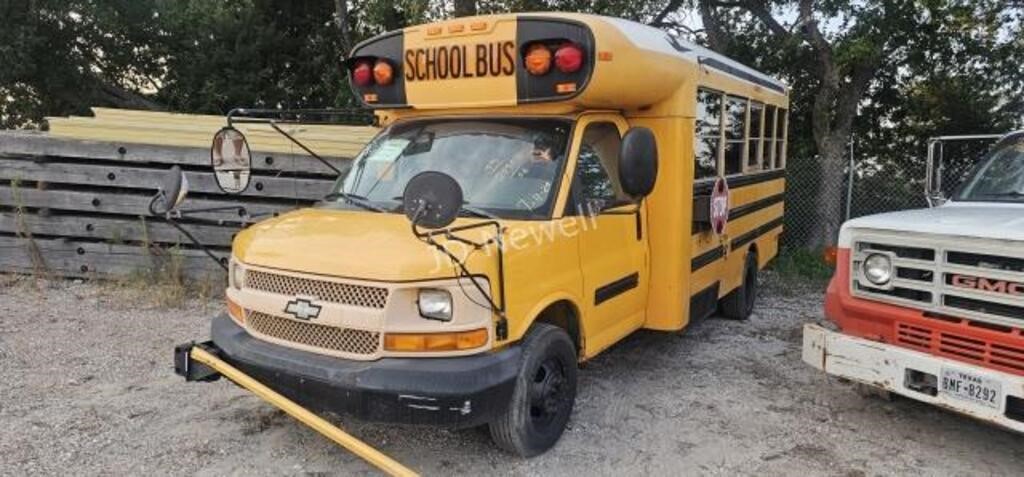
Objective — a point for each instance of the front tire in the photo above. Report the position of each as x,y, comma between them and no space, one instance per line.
544,394
739,303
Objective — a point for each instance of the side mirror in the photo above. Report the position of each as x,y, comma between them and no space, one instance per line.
432,199
936,199
172,192
231,160
638,162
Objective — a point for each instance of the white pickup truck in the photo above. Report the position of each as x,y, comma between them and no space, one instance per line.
929,304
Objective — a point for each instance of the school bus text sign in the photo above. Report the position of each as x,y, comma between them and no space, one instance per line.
492,59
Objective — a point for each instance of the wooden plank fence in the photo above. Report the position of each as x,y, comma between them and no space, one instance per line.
73,206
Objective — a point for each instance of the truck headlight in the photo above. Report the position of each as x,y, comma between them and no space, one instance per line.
435,304
237,274
877,269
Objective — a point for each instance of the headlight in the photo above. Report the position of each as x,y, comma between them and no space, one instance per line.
878,269
237,274
435,304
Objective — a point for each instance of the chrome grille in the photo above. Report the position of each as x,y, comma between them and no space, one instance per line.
343,340
931,273
323,290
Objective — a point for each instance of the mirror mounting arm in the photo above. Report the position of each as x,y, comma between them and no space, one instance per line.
195,241
309,151
634,210
501,331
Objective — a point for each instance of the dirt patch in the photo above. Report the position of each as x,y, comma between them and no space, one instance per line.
87,387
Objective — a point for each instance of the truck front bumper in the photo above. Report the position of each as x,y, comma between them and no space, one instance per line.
914,374
455,392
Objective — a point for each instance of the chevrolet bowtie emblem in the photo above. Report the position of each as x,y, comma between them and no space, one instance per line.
302,309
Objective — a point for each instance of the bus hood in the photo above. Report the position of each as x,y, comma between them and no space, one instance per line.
353,244
980,220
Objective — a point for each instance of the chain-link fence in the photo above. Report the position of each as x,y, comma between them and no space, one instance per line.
875,185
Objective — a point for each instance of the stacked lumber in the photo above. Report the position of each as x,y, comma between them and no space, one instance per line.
74,201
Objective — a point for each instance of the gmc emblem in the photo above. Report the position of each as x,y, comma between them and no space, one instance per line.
984,284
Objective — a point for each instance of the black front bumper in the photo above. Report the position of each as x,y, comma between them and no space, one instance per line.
458,392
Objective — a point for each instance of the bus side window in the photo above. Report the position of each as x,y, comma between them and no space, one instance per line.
597,186
756,131
780,139
708,140
735,134
768,159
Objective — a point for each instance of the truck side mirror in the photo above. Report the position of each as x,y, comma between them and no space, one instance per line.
231,160
432,200
937,199
172,192
638,162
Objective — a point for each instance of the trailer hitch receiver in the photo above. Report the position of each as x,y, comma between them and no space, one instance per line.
191,369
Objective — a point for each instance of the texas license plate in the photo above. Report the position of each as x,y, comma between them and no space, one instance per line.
971,387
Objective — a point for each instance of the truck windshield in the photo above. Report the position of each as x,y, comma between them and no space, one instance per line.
507,168
1000,178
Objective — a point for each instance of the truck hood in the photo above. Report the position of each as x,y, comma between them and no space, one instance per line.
978,220
347,243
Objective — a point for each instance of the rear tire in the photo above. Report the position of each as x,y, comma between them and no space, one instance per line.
739,303
544,394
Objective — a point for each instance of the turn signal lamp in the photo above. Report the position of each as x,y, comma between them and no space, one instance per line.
383,73
362,74
458,341
831,256
538,59
235,311
569,58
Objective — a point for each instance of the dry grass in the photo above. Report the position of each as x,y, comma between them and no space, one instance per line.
167,285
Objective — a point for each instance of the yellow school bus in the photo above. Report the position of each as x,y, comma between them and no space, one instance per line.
543,185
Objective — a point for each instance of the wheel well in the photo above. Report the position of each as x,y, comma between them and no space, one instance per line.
753,250
563,315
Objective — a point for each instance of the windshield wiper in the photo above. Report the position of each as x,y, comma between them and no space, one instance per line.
354,199
464,210
475,212
1014,194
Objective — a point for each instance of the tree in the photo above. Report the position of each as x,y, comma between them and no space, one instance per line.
465,8
863,47
60,57
250,53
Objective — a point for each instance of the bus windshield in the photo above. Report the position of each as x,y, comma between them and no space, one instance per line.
1000,178
508,168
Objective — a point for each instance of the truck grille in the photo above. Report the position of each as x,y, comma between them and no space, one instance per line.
946,276
329,291
954,339
340,340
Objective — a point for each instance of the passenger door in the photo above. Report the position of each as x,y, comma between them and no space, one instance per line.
613,245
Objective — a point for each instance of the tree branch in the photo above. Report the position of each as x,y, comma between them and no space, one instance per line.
671,7
851,94
116,96
809,26
341,22
760,10
718,39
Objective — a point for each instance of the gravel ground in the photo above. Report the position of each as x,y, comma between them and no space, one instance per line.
86,387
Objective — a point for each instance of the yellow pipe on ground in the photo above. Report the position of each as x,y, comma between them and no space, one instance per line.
302,414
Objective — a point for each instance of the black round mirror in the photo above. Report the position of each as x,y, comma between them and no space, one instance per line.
231,160
638,162
432,199
173,189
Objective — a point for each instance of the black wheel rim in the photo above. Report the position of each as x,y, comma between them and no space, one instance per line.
548,392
